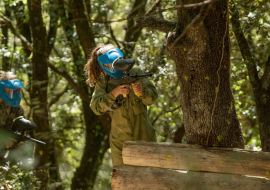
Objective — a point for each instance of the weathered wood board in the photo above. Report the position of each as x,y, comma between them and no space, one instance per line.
137,177
197,158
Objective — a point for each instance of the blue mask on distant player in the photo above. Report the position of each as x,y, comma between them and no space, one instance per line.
107,59
13,96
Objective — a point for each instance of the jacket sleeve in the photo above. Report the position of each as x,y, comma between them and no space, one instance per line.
19,111
14,113
101,100
149,94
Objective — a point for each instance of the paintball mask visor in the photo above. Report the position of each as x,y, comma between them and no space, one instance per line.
11,93
107,60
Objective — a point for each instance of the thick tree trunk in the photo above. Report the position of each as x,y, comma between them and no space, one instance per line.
44,157
208,104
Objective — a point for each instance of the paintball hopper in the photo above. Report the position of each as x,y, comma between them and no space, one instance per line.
24,124
124,64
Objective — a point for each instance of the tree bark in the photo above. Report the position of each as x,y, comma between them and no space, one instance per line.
4,39
83,29
179,134
54,10
45,157
200,47
23,27
260,87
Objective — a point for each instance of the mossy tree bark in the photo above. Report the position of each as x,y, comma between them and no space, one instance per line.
39,88
200,47
45,158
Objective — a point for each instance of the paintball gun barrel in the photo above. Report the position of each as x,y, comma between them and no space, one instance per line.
129,79
125,65
19,137
21,126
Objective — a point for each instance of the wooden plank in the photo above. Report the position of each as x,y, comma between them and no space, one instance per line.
137,177
197,158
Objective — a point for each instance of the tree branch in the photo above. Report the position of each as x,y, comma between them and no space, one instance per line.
75,86
58,96
187,6
132,31
136,8
13,30
195,20
23,26
113,37
53,25
244,47
152,8
85,33
156,23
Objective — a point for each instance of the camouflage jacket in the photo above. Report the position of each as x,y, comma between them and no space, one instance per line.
8,113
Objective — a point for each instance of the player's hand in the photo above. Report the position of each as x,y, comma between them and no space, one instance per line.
122,89
137,88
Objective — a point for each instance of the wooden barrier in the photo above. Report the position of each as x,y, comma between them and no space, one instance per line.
197,158
150,165
137,178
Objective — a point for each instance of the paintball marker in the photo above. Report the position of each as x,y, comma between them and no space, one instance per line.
125,65
21,126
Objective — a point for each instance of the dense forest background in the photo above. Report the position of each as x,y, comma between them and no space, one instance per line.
46,44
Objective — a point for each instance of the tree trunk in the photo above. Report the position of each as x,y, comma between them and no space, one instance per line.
44,158
4,40
133,32
260,86
179,134
96,142
83,29
207,100
86,173
263,109
23,26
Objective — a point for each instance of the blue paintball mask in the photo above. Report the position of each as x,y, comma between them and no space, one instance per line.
10,92
107,60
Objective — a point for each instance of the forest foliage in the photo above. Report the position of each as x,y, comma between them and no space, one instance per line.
109,21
